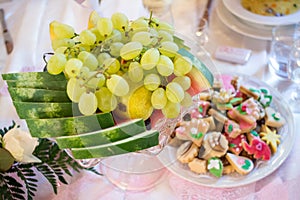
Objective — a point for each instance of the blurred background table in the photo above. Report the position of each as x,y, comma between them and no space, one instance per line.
28,22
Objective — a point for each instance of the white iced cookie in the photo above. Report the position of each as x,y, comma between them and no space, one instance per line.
241,164
273,118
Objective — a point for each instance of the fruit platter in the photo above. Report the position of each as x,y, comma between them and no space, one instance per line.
238,133
113,88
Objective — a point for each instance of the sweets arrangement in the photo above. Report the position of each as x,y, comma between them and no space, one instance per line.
230,129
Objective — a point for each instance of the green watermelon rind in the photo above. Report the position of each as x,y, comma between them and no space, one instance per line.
104,136
33,76
135,143
199,65
37,95
48,85
67,126
41,110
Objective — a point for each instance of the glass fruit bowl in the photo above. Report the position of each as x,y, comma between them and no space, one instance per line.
96,98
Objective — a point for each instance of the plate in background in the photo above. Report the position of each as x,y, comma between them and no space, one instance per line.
235,7
240,26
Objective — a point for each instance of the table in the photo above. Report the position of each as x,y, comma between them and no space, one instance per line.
28,22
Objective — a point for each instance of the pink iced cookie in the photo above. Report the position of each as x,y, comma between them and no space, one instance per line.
232,128
235,144
258,148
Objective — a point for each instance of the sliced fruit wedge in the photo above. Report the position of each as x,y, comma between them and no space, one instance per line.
201,77
33,76
138,142
37,95
105,136
41,110
66,126
48,85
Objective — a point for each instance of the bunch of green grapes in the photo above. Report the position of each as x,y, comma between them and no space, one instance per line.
96,60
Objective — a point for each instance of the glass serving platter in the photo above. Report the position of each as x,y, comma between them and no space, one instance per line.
262,168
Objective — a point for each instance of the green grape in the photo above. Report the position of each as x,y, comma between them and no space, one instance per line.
106,100
182,65
174,92
84,73
165,66
112,65
61,50
101,81
154,35
75,89
139,25
115,49
135,72
143,37
87,37
101,57
164,26
99,37
131,50
150,59
65,42
168,48
88,103
116,36
56,63
183,81
60,31
73,67
88,59
117,85
165,36
159,98
120,21
152,82
171,110
104,26
187,101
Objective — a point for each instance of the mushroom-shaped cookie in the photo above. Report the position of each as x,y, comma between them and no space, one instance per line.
214,144
187,152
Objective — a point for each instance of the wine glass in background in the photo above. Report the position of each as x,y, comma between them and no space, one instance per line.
202,32
292,93
161,9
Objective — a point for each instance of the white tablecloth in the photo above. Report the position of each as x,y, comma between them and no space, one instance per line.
28,21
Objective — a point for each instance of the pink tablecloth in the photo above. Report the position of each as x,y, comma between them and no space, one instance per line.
30,34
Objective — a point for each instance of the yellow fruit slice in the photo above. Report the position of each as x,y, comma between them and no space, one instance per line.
93,19
139,104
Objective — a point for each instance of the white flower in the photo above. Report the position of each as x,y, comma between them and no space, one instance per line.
214,164
21,145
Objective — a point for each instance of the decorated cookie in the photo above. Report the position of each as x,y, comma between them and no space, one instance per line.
198,166
232,128
258,148
187,152
193,130
235,144
273,118
228,169
215,166
222,99
241,164
270,137
248,111
201,109
210,120
214,144
249,92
